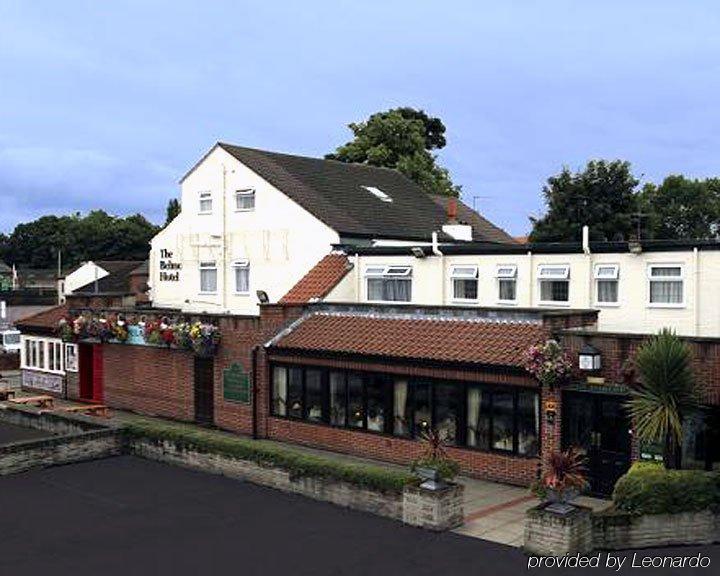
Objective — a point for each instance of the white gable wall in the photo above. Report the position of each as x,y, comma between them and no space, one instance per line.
281,240
82,276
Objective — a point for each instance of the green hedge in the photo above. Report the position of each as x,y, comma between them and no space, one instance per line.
299,464
650,489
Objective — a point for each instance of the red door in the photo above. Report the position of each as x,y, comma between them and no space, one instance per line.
85,353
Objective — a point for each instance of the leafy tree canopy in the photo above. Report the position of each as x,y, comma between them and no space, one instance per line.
602,196
401,138
95,236
172,210
682,208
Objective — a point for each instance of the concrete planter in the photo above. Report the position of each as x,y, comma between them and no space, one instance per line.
548,533
433,509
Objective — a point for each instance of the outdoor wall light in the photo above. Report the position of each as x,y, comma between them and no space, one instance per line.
589,358
262,297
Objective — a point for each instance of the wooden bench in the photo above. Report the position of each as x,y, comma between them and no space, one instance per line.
89,409
38,401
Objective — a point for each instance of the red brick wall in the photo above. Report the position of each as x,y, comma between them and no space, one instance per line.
156,381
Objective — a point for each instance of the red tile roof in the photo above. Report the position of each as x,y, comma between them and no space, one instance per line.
46,319
317,283
450,340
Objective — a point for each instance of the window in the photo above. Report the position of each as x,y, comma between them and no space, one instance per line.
245,200
666,285
378,193
205,202
606,283
402,413
338,398
241,272
389,283
464,282
356,401
313,395
295,392
44,354
279,391
71,357
447,411
208,277
422,404
554,283
506,275
528,423
376,399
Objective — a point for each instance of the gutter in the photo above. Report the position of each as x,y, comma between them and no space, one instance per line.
437,252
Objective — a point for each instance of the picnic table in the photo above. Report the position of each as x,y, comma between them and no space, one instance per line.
89,409
38,401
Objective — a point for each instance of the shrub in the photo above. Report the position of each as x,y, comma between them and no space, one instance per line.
264,453
435,456
648,488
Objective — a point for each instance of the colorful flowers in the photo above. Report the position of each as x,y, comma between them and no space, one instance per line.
549,363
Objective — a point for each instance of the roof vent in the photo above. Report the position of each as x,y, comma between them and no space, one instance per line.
378,193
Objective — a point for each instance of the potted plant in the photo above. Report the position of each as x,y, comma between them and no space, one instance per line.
435,466
204,338
564,480
549,363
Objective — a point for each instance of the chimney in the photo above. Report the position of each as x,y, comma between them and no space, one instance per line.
453,228
452,211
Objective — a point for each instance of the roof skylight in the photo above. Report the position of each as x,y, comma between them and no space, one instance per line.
378,193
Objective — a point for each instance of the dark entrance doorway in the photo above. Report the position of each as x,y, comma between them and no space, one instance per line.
597,424
90,372
203,385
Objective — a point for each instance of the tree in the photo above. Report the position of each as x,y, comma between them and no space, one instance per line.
401,138
172,210
602,197
682,208
665,394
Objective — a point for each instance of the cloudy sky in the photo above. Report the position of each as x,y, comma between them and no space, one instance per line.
105,105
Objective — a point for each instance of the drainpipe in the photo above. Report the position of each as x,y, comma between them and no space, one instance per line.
358,284
531,279
253,372
224,241
696,289
437,252
586,251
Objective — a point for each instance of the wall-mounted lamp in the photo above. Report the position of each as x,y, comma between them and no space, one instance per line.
417,252
262,297
589,358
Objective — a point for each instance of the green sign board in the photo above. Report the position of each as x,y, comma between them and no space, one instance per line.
236,384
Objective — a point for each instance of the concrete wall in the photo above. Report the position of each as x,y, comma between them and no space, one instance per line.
281,240
699,315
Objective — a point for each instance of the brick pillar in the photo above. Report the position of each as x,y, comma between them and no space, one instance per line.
551,422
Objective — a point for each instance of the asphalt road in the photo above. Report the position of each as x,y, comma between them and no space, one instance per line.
134,517
11,433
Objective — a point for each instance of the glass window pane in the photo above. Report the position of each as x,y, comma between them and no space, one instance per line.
279,399
528,423
313,395
401,407
389,289
666,292
242,278
376,403
423,410
245,200
338,399
447,407
554,290
294,393
208,279
464,289
506,290
356,406
502,421
607,291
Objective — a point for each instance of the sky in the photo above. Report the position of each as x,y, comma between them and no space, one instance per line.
106,105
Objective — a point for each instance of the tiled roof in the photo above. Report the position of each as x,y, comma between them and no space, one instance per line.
47,319
317,283
336,193
449,340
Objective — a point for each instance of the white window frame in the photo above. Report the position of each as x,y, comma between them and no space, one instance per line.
388,271
74,365
205,196
245,264
379,194
208,265
47,344
598,277
505,272
680,279
470,272
546,274
245,193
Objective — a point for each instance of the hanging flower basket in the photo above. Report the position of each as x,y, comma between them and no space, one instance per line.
549,363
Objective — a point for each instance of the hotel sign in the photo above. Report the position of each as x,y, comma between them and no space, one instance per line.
169,268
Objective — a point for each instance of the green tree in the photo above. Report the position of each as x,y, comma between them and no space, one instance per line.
681,208
666,392
602,197
172,210
401,138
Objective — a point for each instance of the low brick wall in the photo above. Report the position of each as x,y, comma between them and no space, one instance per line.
70,439
617,530
551,534
414,506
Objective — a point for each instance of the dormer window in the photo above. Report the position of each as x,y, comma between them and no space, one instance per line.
389,283
205,202
245,200
378,193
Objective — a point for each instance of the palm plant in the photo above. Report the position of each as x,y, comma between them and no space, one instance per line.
665,393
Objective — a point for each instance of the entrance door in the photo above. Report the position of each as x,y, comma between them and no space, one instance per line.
204,397
598,426
86,371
